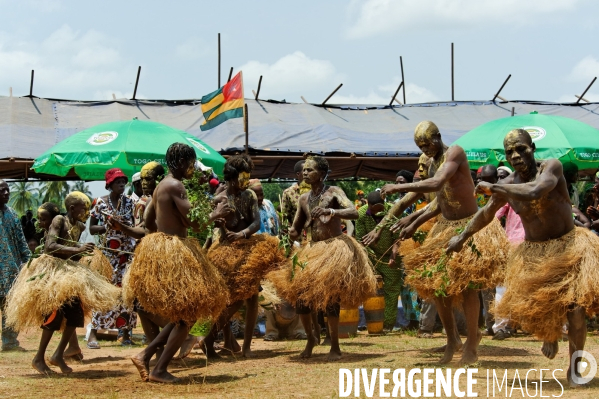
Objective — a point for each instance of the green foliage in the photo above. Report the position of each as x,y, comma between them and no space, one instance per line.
54,191
351,186
274,191
82,187
22,197
419,236
201,206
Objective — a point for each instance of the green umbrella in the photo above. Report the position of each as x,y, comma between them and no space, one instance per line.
127,145
557,137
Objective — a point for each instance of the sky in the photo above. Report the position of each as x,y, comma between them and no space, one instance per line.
91,50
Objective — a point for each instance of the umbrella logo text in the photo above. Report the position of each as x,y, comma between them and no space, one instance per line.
102,138
198,145
536,133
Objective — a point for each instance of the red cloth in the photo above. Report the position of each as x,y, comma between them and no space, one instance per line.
112,174
214,183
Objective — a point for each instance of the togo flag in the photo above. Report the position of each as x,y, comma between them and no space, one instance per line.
224,103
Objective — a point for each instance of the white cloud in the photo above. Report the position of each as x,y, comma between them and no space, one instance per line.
414,94
192,49
102,95
67,64
373,17
585,70
290,76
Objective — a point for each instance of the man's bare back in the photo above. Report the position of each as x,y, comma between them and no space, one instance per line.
169,208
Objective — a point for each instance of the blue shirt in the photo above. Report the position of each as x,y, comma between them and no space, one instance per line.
13,248
269,221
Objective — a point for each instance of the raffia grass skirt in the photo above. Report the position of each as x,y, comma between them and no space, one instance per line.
244,263
337,270
465,269
173,278
99,263
407,246
544,279
47,283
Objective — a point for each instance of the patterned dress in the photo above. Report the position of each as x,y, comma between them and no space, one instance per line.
13,253
289,202
119,317
394,285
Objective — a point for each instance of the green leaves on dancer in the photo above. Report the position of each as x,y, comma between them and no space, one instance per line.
201,205
440,268
287,245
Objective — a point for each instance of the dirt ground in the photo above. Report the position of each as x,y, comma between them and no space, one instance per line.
276,371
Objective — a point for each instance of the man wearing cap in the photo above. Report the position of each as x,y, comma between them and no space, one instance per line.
115,205
137,190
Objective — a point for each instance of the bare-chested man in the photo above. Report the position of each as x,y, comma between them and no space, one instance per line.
320,212
168,213
449,178
554,271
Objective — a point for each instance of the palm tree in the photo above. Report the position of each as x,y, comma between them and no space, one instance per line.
82,187
21,197
54,191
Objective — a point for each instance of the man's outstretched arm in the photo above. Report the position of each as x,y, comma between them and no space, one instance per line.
530,191
483,217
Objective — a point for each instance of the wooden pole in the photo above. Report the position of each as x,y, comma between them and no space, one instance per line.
31,84
397,101
575,95
501,88
403,80
331,95
395,94
577,101
304,100
10,91
218,61
501,98
136,82
259,85
513,110
230,75
245,128
452,93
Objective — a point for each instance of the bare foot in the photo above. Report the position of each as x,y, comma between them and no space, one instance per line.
59,362
441,349
41,366
143,367
165,378
550,349
309,346
334,355
450,349
209,352
75,356
248,354
73,352
470,356
186,347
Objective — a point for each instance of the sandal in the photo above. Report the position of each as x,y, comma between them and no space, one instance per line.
93,345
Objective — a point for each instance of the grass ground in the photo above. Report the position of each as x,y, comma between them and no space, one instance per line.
276,372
